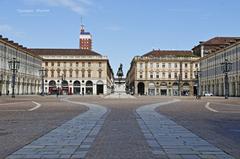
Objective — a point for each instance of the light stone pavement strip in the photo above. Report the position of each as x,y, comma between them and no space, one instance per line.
71,140
169,140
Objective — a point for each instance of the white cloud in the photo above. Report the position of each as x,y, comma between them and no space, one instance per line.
78,6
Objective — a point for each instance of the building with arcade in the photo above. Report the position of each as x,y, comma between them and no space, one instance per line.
76,71
164,73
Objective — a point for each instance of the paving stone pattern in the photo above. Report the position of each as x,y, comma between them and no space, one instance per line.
172,141
71,140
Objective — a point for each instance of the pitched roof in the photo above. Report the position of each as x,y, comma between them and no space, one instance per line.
159,53
220,40
82,52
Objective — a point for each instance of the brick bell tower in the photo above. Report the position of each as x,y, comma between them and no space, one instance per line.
85,39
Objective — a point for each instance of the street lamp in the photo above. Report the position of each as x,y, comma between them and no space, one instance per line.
1,82
226,67
197,75
62,79
14,65
42,73
179,84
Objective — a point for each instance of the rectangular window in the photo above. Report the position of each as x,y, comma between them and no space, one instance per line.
169,75
76,64
70,64
46,63
163,65
100,64
175,65
89,64
175,75
64,64
186,65
196,65
186,75
100,74
157,76
163,75
58,64
83,64
70,73
157,65
52,63
46,73
151,75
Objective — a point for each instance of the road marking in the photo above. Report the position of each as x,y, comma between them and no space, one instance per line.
12,110
209,108
234,105
72,139
166,138
38,106
11,103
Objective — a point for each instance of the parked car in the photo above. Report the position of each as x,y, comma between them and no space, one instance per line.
208,94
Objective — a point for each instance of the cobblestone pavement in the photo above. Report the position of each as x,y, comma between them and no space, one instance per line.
221,129
70,140
121,137
122,129
18,128
170,140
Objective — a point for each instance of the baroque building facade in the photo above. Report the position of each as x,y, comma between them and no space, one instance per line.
27,77
212,76
76,71
163,72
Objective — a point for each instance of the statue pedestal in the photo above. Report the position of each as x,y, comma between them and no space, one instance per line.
119,90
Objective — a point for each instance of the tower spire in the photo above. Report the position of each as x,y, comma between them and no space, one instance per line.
82,26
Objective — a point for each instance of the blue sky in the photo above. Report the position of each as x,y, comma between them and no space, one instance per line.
121,29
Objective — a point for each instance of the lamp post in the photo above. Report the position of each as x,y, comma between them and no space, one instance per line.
1,83
179,85
13,66
42,73
62,79
197,75
226,67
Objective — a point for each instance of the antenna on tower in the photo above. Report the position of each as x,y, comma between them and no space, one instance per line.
82,26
